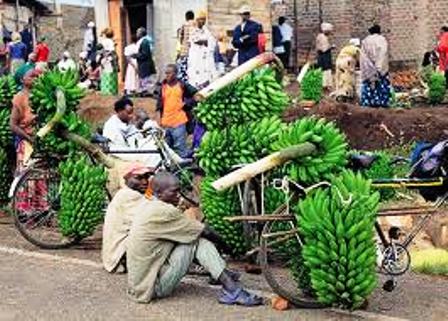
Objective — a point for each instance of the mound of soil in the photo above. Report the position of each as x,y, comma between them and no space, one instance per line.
96,108
372,129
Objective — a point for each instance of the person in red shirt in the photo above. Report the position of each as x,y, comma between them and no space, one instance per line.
43,54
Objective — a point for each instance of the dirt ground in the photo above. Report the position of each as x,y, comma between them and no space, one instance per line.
97,108
372,128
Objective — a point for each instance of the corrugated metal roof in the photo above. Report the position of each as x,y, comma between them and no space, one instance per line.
79,3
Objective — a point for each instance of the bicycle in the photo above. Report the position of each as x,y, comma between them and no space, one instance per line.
35,192
281,227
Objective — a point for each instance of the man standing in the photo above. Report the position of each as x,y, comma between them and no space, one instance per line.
145,63
287,33
42,54
163,243
324,54
119,214
245,37
174,97
184,40
201,55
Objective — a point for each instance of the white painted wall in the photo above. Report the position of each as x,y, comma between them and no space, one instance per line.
169,15
101,14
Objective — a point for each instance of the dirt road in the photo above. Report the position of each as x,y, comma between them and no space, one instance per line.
70,285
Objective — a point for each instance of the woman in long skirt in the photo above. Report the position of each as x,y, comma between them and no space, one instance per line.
376,88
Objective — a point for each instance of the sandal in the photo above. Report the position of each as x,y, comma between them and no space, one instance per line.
240,297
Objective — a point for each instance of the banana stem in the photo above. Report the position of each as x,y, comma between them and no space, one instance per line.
263,165
240,71
61,107
92,149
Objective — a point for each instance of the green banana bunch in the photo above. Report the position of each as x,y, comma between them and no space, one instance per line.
43,94
43,100
331,155
311,87
381,169
255,96
6,176
8,88
337,225
5,131
220,150
215,207
83,197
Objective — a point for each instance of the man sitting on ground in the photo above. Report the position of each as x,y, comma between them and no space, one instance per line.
119,215
162,244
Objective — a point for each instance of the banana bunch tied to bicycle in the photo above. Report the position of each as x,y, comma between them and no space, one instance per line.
55,97
337,262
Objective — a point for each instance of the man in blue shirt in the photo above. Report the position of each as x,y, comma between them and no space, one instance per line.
245,37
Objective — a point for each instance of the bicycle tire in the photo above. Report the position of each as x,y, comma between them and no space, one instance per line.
295,297
66,243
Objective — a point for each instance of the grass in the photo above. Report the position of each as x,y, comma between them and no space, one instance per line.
432,262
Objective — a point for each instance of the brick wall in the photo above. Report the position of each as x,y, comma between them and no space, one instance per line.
223,15
409,25
66,32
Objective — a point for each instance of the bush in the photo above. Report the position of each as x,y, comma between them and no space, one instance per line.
437,88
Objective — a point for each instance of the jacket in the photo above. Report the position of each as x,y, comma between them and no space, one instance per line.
247,48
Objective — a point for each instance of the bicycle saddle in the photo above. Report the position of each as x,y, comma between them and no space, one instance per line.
362,161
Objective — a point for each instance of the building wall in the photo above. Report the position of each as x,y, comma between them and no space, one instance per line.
223,16
67,31
409,25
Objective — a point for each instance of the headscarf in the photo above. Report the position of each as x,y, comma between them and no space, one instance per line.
326,27
355,42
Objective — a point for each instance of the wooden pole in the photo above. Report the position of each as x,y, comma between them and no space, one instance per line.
263,165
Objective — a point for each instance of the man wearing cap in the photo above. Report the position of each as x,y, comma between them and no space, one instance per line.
162,244
119,215
245,36
42,54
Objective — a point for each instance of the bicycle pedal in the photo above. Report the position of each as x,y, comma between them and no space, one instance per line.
395,233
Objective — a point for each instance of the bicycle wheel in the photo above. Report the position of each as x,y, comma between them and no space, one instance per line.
278,254
35,205
189,186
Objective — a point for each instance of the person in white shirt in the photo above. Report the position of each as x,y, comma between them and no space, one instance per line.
123,135
287,33
66,63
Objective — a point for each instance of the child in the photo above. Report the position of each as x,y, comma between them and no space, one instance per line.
175,97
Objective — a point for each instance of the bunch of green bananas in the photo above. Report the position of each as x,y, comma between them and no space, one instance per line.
311,87
83,196
43,94
220,150
255,96
5,175
8,88
331,155
5,131
215,207
43,100
339,249
381,169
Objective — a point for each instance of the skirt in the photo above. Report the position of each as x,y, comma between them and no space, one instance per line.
109,83
15,64
376,94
